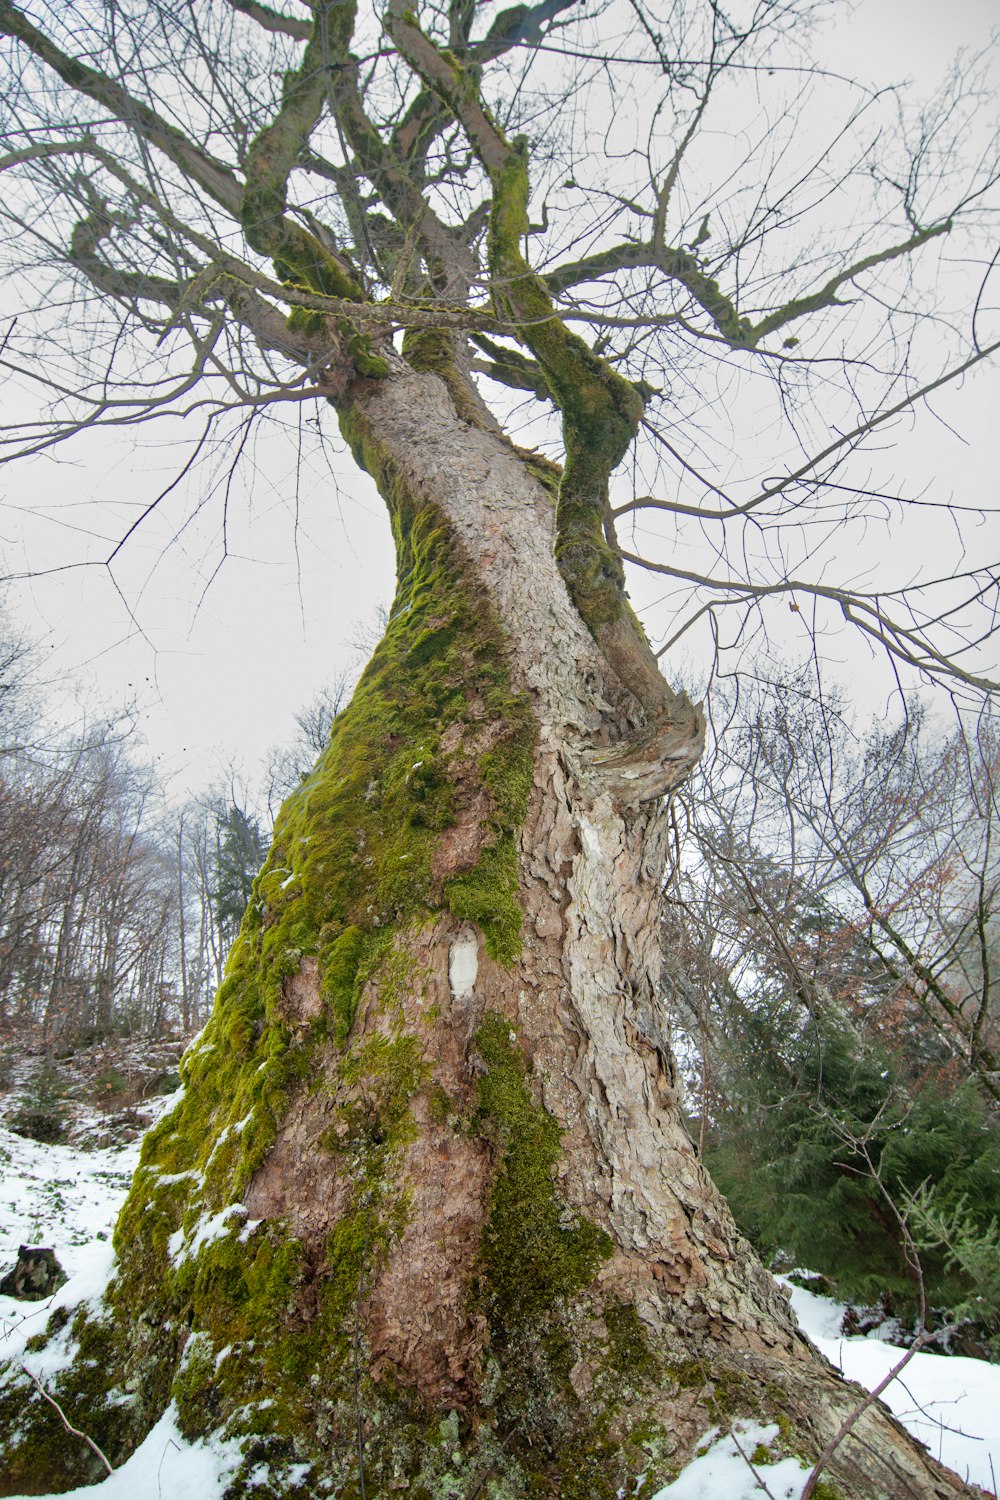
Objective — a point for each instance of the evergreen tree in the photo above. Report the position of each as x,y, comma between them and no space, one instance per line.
241,848
821,1146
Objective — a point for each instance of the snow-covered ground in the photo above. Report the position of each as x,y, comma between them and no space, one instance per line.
68,1199
735,1466
951,1404
64,1198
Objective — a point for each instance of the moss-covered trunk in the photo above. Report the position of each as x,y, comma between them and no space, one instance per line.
426,1219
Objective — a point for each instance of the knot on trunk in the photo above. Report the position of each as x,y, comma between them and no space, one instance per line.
655,759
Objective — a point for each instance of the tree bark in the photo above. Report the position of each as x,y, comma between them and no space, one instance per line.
427,1219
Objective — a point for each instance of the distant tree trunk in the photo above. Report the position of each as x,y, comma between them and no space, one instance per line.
426,1219
106,976
185,996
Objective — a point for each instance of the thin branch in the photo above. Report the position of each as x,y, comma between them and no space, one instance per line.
213,176
270,20
826,296
67,1424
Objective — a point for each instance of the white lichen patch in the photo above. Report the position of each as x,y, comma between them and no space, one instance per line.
463,966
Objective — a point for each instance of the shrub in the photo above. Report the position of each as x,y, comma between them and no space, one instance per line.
820,1149
43,1113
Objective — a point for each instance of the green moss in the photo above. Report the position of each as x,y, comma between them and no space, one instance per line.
114,1414
299,258
688,1374
433,349
372,1118
629,1349
588,1467
534,1250
601,410
196,1391
488,897
305,320
351,873
341,960
440,1106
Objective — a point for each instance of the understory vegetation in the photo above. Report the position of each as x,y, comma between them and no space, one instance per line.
831,938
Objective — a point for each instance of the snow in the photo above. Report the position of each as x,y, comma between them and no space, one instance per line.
164,1467
68,1199
206,1232
948,1402
729,1467
951,1404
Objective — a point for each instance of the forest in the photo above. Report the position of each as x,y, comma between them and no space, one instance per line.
116,910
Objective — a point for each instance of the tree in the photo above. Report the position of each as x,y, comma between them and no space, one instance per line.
88,905
825,1109
891,829
829,978
427,1217
240,851
15,664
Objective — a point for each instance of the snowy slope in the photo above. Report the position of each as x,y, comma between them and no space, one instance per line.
68,1199
950,1403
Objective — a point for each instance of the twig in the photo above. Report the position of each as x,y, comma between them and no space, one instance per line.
754,1470
861,1144
858,1412
169,1444
75,1431
480,1484
732,1432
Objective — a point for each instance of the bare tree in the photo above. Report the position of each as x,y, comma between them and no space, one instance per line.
15,666
893,829
87,906
288,765
460,1237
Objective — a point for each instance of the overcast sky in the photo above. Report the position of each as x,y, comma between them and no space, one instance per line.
219,657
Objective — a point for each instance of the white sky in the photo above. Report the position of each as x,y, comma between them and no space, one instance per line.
218,672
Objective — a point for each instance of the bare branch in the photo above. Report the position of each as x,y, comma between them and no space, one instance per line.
67,1424
826,296
213,176
270,20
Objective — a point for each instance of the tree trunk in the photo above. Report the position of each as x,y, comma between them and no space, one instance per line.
426,1219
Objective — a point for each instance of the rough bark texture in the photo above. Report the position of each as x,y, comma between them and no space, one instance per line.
427,1219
